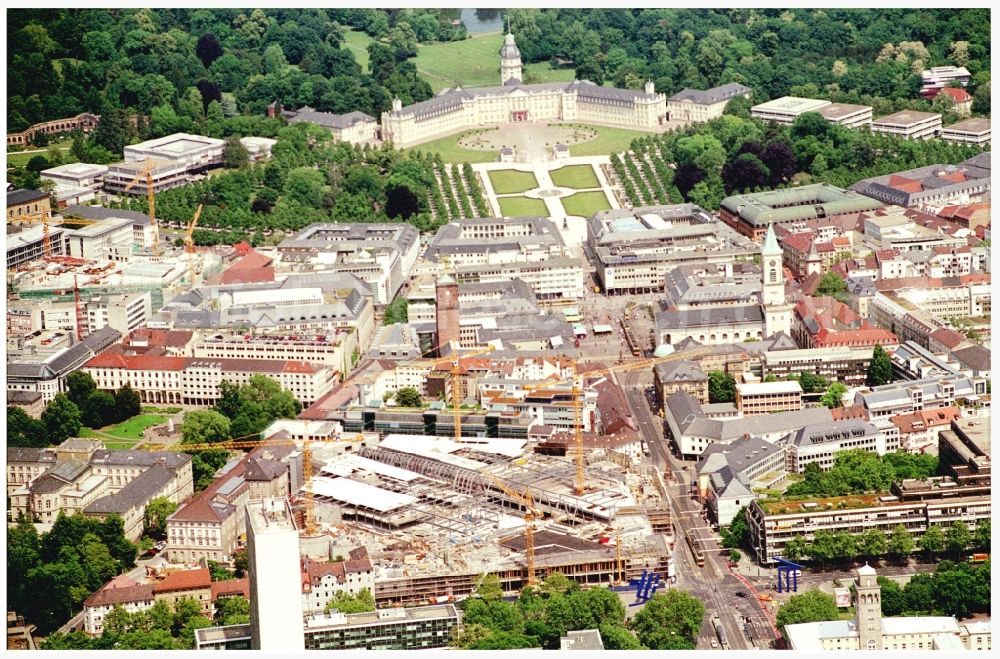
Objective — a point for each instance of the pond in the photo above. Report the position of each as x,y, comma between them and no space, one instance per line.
477,21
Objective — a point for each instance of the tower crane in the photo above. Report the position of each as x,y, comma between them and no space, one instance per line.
530,515
189,244
146,173
579,481
43,217
255,441
456,389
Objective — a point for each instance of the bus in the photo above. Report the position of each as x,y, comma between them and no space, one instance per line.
699,555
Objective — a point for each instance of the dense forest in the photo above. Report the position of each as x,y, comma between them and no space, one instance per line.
871,56
65,61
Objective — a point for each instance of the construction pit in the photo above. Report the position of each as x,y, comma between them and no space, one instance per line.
436,514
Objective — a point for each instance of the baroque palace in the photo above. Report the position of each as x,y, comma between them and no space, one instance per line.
582,101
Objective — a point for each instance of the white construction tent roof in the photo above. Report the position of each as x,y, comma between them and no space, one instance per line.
360,494
441,448
346,464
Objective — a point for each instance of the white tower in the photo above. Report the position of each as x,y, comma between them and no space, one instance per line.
777,314
814,264
510,61
869,609
275,579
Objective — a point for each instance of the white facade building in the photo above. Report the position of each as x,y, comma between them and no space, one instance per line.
275,582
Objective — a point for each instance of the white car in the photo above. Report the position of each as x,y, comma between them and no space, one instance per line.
715,643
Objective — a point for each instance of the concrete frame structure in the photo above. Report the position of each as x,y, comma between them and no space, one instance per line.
971,131
786,110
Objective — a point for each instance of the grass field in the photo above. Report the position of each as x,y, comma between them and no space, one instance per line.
578,177
518,206
607,141
506,181
475,62
357,42
21,159
585,204
451,152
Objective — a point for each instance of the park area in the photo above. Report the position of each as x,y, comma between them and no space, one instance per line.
578,177
522,206
510,181
126,434
585,204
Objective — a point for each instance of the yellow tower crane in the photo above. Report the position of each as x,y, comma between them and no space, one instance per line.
146,174
456,388
189,244
530,515
579,455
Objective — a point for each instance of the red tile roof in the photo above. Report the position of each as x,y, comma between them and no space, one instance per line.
184,580
925,419
138,362
252,268
242,248
123,595
231,587
957,95
949,338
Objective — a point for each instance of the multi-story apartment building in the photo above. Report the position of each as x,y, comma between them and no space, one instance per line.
187,584
697,105
774,523
122,591
909,124
821,443
324,580
635,249
767,397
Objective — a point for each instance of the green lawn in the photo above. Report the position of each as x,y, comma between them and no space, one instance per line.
132,428
21,159
357,42
507,181
520,206
453,153
578,177
585,204
607,141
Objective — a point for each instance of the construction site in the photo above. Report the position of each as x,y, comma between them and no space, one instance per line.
439,514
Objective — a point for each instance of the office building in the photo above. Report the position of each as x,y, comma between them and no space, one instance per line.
908,124
971,131
786,110
767,397
195,152
421,627
909,396
275,581
81,175
636,248
730,475
841,364
165,173
848,115
774,522
821,443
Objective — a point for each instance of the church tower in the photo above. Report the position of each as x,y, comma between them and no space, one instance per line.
814,264
869,607
777,314
510,61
